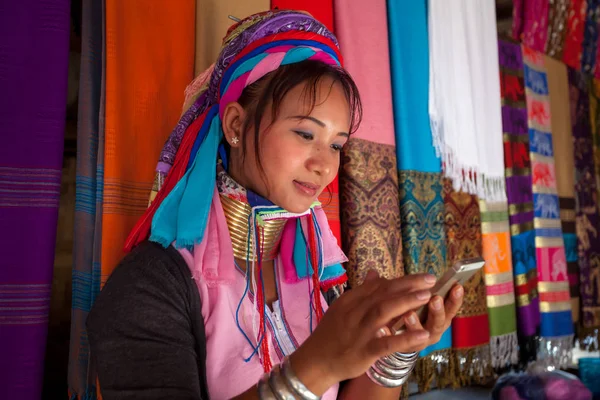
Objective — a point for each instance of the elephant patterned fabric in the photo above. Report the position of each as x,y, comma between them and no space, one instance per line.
556,326
587,221
520,197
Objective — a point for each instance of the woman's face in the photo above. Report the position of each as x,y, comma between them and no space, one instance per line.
299,151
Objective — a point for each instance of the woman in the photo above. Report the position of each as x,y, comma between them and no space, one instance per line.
237,212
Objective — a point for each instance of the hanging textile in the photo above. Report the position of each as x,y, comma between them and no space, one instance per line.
533,30
463,64
587,218
556,325
421,201
140,114
590,37
212,23
520,197
88,201
575,33
595,120
557,21
562,144
369,176
34,48
495,237
323,11
470,327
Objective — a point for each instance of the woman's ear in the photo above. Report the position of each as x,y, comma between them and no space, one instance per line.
233,123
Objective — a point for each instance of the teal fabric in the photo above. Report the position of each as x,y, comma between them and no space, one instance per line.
409,57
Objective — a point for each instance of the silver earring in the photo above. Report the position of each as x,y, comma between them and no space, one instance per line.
235,140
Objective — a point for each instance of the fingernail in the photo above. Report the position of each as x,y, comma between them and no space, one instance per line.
422,334
381,333
430,278
458,293
412,319
436,304
423,295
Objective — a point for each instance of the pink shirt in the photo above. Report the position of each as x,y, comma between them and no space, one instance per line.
221,286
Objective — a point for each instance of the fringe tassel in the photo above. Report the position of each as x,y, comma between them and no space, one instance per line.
474,365
504,350
556,352
436,370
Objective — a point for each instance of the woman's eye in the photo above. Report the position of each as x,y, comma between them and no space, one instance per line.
337,147
305,135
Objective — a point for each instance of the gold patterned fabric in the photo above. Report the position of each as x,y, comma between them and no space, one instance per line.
470,328
370,210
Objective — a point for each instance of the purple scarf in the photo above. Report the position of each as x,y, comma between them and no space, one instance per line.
34,44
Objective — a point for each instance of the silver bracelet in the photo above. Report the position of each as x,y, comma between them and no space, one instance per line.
292,381
393,370
264,389
278,385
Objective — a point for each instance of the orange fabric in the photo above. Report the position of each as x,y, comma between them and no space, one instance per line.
149,62
496,252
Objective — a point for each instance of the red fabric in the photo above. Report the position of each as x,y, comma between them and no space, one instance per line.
575,32
321,10
516,155
470,331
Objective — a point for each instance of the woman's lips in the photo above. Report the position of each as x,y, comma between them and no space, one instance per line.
307,188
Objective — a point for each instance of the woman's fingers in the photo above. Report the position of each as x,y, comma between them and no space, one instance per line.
412,322
386,308
406,342
453,303
436,318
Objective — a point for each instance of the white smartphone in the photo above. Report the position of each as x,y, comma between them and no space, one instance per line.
460,273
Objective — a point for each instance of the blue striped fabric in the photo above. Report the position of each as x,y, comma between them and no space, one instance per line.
88,200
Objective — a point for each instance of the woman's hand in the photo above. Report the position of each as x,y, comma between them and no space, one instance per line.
352,334
439,316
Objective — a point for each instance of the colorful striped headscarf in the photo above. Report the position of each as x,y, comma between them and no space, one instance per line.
252,48
179,209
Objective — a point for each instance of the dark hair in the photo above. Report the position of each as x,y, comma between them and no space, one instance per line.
273,88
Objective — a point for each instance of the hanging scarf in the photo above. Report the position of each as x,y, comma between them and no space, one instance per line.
212,21
495,232
322,11
133,57
179,213
535,28
562,144
34,48
587,217
556,325
557,21
420,178
88,200
590,37
595,120
520,197
470,327
464,64
575,33
368,177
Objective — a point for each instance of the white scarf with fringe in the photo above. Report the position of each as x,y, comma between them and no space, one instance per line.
464,95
